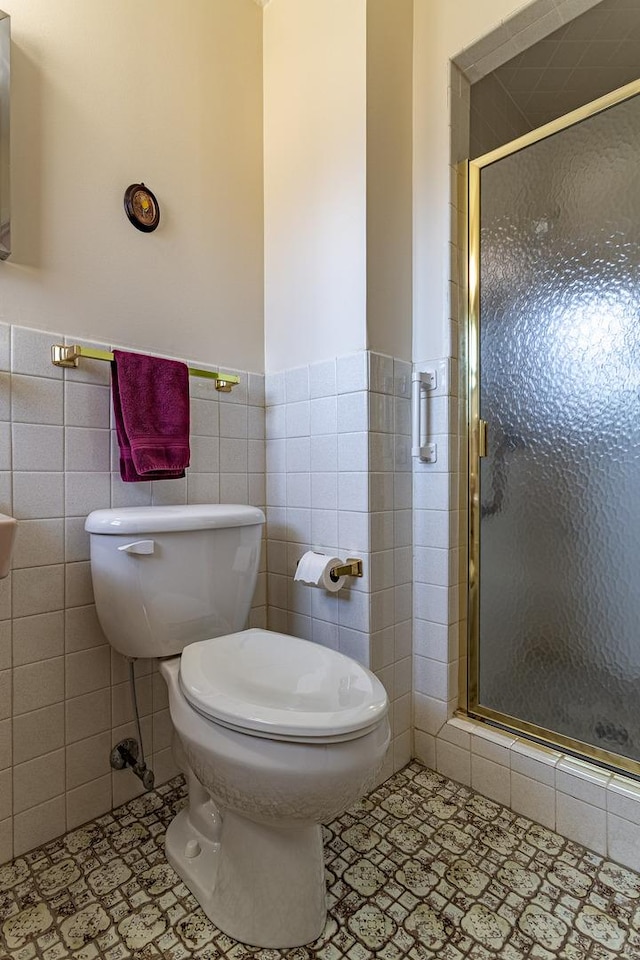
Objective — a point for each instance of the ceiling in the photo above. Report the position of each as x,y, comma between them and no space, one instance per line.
586,58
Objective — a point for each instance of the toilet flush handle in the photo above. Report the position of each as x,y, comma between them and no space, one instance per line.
139,547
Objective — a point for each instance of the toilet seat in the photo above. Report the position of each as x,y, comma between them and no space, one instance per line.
271,685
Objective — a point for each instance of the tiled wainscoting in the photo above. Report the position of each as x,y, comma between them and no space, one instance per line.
339,482
64,696
581,801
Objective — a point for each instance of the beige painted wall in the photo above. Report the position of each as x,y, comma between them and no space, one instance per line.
109,93
389,166
315,179
441,30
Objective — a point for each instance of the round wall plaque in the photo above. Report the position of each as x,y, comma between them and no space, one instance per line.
141,207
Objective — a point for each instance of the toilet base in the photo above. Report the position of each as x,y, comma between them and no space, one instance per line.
262,884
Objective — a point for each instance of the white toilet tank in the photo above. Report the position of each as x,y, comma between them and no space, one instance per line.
164,577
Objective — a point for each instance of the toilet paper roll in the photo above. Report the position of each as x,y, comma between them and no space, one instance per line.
314,569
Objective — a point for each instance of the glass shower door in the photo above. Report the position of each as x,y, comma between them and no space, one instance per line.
555,375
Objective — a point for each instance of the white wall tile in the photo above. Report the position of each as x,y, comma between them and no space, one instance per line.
381,413
37,447
38,543
353,412
85,492
38,732
86,671
38,825
6,798
453,762
276,423
37,590
491,779
298,455
623,841
381,373
234,422
82,629
37,685
31,352
296,384
87,714
203,488
352,373
233,456
535,762
256,395
205,417
324,528
166,492
582,781
38,637
581,822
87,405
324,454
274,388
623,798
322,379
353,531
298,490
88,801
205,452
36,400
297,419
533,799
323,416
38,780
381,487
38,495
353,491
429,714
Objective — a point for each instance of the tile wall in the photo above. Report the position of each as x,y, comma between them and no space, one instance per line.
495,118
339,482
64,696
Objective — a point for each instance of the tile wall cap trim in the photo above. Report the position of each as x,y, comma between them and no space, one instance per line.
583,770
468,726
625,787
494,736
535,751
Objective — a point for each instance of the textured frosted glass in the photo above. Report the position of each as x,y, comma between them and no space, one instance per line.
560,389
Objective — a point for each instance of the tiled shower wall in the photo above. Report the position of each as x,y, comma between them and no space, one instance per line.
339,482
64,696
578,799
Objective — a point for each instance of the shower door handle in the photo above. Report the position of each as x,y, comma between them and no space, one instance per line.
483,438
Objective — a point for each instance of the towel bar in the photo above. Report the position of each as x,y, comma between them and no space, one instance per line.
68,356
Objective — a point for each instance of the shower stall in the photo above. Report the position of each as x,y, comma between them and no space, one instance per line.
554,433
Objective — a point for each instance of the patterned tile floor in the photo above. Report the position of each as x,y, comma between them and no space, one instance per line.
421,868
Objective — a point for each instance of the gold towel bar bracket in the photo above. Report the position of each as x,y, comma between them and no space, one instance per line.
68,356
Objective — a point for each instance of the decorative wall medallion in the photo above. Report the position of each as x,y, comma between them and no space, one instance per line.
141,207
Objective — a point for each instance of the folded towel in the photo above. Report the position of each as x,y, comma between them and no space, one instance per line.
151,407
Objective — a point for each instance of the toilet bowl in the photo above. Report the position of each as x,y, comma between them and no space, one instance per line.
282,737
275,735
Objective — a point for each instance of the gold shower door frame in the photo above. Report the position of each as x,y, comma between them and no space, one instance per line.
469,202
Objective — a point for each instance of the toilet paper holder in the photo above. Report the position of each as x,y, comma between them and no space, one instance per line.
352,567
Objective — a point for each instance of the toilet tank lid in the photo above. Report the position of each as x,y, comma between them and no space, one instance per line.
203,516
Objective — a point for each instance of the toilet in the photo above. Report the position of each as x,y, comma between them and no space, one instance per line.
275,735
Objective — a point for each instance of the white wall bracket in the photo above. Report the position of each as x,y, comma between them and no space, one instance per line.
422,381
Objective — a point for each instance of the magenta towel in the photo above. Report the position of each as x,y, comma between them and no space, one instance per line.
151,407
